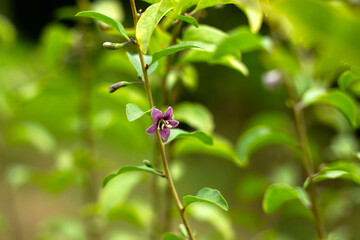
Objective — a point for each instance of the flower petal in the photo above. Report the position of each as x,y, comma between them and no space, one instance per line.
156,115
168,114
165,133
152,129
173,123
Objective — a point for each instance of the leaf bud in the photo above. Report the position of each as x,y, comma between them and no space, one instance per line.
112,46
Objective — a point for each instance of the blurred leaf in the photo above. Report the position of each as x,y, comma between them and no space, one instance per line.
188,19
251,187
221,148
207,195
330,27
63,228
195,115
189,77
149,20
258,137
335,98
105,19
125,212
342,170
135,61
34,134
240,39
349,78
170,236
143,168
111,9
217,218
175,48
201,136
133,112
277,194
251,8
207,35
116,191
17,175
58,181
7,31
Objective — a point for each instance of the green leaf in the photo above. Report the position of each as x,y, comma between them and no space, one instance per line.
175,48
241,40
105,19
144,168
188,19
342,170
195,115
221,148
207,195
133,112
170,236
207,35
135,61
335,98
149,20
258,137
179,133
278,194
251,8
349,77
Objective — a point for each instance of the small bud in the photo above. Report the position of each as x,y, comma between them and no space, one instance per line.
148,163
116,86
112,46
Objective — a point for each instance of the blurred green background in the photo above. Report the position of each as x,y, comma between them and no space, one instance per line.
61,131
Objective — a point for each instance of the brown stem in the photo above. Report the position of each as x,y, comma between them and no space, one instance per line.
159,141
302,137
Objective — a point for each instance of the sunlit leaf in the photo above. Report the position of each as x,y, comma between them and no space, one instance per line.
179,133
125,212
278,194
133,112
17,175
195,115
335,98
135,61
170,236
349,78
204,34
207,195
149,20
175,48
339,170
143,168
258,137
241,40
105,19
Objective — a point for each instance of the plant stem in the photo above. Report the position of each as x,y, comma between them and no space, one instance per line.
159,141
302,137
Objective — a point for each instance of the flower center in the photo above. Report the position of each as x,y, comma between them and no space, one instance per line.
163,123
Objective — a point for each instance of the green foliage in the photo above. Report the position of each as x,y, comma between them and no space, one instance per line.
133,112
278,194
175,48
135,61
171,236
142,168
105,19
258,137
201,136
188,19
149,20
335,98
207,195
195,115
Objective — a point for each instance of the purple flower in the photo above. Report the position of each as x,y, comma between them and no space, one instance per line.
163,123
